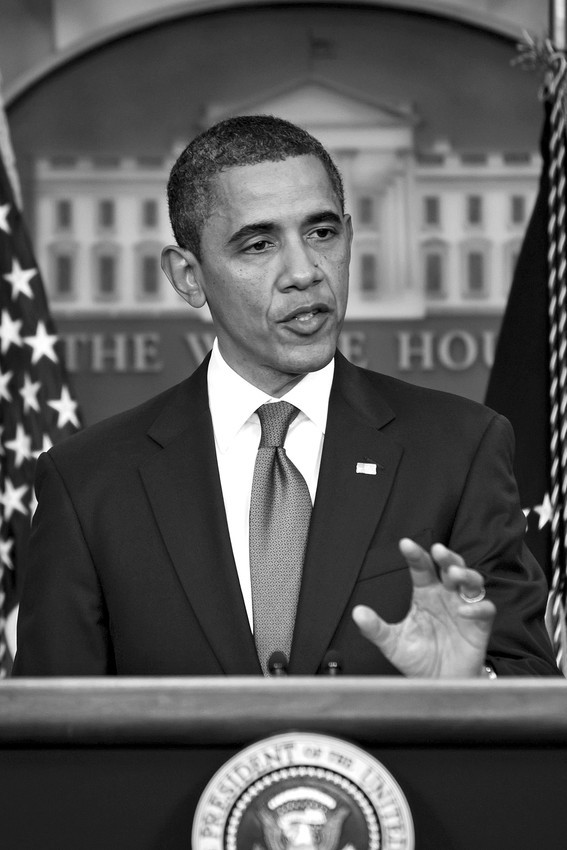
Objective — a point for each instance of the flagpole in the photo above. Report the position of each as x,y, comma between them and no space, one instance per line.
558,24
7,152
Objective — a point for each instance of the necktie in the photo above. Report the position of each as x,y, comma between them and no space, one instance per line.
280,510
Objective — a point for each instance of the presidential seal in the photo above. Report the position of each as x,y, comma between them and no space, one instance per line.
302,792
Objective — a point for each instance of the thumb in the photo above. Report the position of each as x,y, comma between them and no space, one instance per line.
372,627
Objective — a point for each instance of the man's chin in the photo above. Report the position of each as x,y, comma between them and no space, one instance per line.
305,361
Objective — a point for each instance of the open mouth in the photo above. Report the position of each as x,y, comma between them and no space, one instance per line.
307,321
304,315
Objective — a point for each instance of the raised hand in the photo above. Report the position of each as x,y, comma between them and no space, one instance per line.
443,635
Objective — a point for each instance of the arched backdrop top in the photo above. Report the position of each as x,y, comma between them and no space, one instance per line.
76,32
143,87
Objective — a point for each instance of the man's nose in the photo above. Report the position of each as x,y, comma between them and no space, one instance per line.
300,265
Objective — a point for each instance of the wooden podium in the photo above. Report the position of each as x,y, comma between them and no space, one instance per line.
99,764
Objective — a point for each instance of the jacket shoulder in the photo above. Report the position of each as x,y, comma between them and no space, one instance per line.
430,411
121,440
399,392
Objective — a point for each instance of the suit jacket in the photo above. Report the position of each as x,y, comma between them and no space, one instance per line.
131,569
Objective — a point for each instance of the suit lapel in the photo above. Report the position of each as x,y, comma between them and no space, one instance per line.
347,510
183,486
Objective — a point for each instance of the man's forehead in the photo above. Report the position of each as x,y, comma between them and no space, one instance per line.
268,183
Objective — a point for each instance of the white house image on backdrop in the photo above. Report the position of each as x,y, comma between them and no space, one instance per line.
435,231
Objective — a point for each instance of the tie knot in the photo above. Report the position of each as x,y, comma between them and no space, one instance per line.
275,419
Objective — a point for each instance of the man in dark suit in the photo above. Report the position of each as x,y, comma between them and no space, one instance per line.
139,560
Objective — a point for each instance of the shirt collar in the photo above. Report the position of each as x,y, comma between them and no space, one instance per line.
233,400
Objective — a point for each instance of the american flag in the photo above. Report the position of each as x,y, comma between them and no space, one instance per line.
36,405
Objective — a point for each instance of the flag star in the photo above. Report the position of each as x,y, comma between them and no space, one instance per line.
20,445
47,444
5,557
20,280
5,378
9,331
29,393
42,343
66,408
12,497
545,511
4,212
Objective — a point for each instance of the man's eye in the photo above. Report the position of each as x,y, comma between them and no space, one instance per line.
258,246
322,233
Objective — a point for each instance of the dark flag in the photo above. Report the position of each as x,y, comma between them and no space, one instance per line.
519,380
528,381
36,405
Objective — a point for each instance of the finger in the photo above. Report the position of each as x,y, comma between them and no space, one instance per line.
370,624
421,566
482,613
445,557
464,580
454,572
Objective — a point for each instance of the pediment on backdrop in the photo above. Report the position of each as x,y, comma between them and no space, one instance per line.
317,103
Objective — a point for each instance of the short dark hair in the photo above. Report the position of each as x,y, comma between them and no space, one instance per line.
244,140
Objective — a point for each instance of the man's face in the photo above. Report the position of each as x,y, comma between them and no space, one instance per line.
274,269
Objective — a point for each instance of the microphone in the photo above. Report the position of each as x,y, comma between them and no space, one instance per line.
277,664
332,664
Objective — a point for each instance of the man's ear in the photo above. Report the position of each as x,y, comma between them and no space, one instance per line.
185,275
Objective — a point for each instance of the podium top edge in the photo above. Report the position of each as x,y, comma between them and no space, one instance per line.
248,683
234,711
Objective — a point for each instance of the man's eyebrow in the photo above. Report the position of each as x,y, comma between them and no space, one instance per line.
270,226
324,215
250,230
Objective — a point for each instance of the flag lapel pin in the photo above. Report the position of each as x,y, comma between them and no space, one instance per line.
366,468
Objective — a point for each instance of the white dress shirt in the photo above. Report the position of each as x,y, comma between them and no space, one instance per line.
233,403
